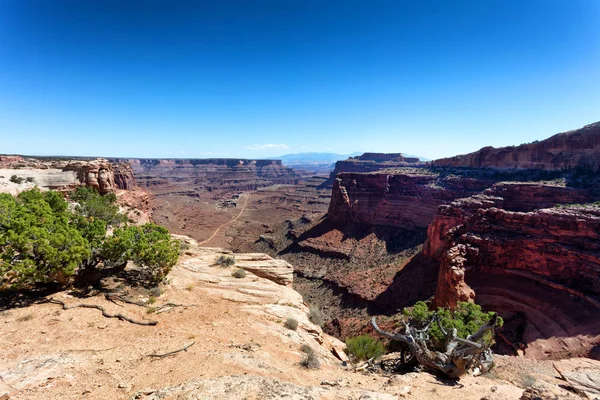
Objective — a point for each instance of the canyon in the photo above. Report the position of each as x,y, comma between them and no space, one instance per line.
516,230
238,347
209,174
508,235
202,197
537,266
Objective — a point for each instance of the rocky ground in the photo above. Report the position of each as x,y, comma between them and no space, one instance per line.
237,346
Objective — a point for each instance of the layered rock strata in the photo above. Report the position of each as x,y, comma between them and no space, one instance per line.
373,162
572,149
65,175
542,264
404,198
511,196
188,176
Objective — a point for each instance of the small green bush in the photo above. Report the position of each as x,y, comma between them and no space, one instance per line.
310,360
16,179
291,323
239,273
467,318
224,261
316,316
364,347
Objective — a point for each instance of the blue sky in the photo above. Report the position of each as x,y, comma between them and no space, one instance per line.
255,79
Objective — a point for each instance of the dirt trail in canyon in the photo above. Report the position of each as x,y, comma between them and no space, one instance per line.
228,222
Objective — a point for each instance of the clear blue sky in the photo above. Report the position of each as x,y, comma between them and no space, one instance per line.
259,78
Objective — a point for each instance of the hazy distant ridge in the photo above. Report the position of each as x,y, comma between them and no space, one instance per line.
322,158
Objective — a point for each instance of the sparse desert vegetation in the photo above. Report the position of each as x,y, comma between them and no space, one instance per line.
364,347
310,360
239,273
224,261
16,179
291,323
316,316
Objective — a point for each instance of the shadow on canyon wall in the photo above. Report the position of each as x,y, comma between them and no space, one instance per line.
395,240
417,280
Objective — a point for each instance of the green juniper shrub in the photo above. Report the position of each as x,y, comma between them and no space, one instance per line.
467,318
364,347
38,244
149,246
42,241
94,205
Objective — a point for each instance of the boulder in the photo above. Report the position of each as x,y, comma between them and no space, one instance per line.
279,271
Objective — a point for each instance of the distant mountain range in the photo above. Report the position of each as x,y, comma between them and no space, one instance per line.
314,158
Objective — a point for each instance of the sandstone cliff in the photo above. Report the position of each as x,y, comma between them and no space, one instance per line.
542,265
65,175
577,148
372,162
404,198
511,196
495,233
124,177
187,176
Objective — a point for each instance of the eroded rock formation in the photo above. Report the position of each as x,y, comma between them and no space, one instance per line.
188,176
576,148
97,174
372,162
543,264
65,175
493,228
405,198
512,196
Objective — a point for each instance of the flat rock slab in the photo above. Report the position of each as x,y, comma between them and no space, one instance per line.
582,374
254,387
279,271
33,371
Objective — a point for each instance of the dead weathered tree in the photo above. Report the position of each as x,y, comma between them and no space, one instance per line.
459,356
